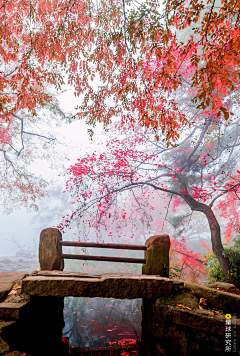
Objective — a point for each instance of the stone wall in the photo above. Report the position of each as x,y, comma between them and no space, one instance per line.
188,323
29,324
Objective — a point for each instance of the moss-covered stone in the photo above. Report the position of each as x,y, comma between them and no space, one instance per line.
229,303
187,299
183,332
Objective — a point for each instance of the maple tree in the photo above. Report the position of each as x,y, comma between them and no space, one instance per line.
197,168
22,142
199,171
140,61
26,99
185,264
111,42
229,210
120,50
116,43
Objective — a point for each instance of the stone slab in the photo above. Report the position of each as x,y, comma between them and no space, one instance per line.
119,286
5,325
228,302
222,285
7,280
207,322
10,311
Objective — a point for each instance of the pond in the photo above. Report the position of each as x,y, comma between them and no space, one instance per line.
92,322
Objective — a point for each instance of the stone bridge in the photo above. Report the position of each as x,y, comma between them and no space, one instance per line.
178,317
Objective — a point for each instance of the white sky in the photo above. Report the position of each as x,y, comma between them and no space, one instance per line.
17,225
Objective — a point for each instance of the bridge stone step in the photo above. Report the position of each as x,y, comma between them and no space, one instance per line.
7,281
10,311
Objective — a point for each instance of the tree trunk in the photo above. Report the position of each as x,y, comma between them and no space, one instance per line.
217,246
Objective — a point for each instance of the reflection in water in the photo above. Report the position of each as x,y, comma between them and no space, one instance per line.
91,322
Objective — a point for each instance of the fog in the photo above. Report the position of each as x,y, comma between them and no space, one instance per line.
17,228
21,229
85,325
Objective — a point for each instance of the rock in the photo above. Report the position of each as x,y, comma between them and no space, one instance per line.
222,285
182,331
215,299
204,321
4,347
157,256
186,299
17,298
7,281
50,251
16,295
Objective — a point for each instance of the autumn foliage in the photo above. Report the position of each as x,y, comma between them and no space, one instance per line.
134,165
112,42
165,68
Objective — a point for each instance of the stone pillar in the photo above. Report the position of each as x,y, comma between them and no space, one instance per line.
157,256
157,263
45,318
43,324
50,251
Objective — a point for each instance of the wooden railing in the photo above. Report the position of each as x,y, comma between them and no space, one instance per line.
103,258
155,261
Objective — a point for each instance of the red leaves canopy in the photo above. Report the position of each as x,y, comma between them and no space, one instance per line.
107,42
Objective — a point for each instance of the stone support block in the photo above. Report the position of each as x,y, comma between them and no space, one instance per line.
50,251
157,256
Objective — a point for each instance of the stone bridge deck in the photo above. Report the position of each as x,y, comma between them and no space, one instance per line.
121,286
